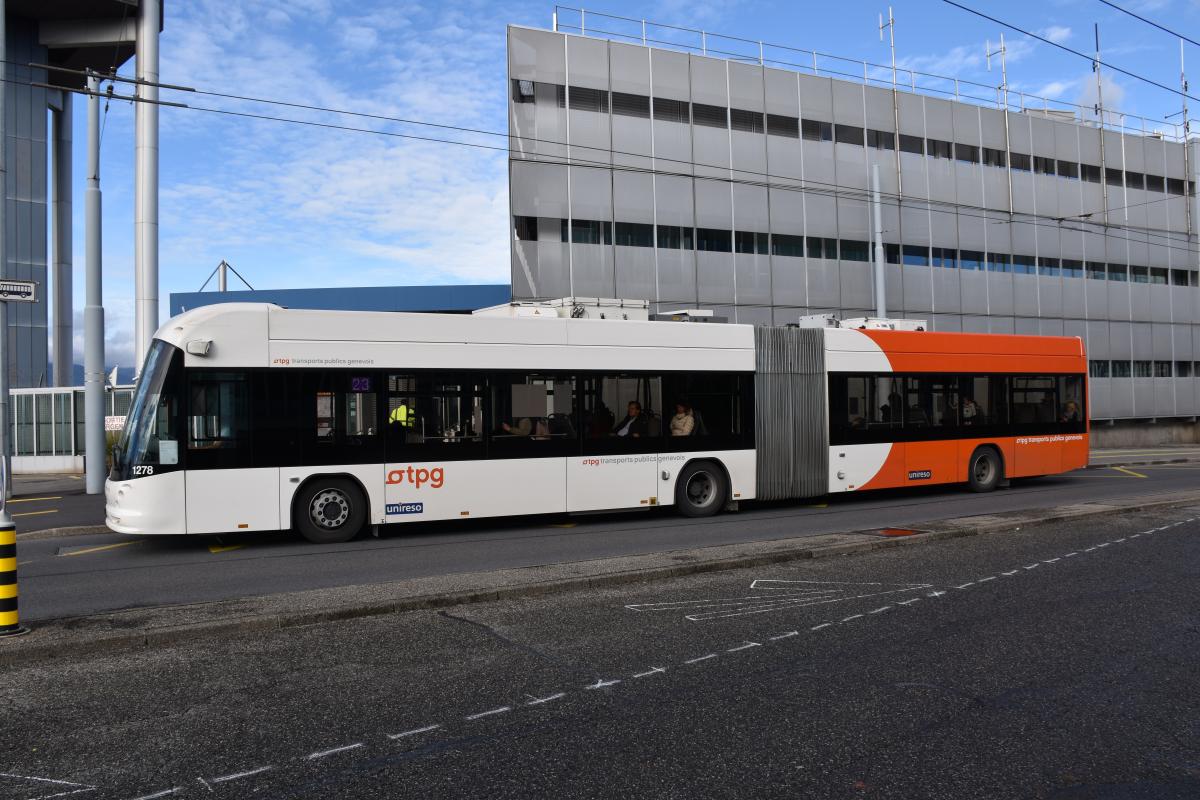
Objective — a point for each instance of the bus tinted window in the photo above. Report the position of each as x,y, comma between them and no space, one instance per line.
621,413
217,417
532,415
434,415
708,410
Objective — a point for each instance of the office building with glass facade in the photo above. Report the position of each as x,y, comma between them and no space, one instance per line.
693,181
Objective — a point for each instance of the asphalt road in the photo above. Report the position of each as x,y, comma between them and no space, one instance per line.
1057,662
79,575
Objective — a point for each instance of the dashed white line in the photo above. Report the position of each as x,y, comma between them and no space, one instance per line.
1134,536
163,793
71,792
852,616
1105,544
1118,540
822,625
965,585
1033,566
537,701
651,671
1068,555
1051,560
908,602
239,775
701,658
787,635
879,610
745,646
985,580
413,732
331,751
1014,572
1090,549
601,683
42,780
482,714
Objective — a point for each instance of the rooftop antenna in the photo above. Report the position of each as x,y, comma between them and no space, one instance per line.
1187,168
1099,108
891,26
1002,51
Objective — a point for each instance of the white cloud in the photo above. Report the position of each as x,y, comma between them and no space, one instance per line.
1056,33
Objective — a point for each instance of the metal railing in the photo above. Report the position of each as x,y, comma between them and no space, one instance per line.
814,62
49,422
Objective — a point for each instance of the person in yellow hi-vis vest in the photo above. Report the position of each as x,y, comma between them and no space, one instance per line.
403,415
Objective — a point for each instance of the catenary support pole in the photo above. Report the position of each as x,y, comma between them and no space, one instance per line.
93,309
6,424
64,355
146,180
222,276
880,273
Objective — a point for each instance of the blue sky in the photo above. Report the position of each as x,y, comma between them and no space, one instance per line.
297,206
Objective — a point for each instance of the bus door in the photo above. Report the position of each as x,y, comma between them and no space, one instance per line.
621,434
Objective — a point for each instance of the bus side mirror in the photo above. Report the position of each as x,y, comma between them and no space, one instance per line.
199,347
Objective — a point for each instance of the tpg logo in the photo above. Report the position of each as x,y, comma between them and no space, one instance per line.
416,477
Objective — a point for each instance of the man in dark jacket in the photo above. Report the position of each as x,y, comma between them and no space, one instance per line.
634,423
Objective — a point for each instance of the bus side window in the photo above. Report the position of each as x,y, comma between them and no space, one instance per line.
217,411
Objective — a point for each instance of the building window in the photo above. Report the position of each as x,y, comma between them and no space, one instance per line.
916,255
1068,169
786,244
1175,186
1020,162
855,250
1118,272
848,134
522,91
584,99
944,257
971,259
816,131
967,153
779,125
1098,369
1143,369
1043,165
912,144
631,105
939,149
1162,369
587,231
1158,276
748,121
820,247
999,262
1089,173
714,240
1071,268
1048,266
881,140
994,158
750,242
1113,177
710,116
891,253
674,237
1134,180
1179,277
1155,183
525,228
633,234
1024,265
1120,369
1139,275
671,110
1183,369
1096,270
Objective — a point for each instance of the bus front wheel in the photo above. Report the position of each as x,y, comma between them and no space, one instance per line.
984,470
329,511
701,490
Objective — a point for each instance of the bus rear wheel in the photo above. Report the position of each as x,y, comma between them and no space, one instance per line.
984,470
329,511
701,490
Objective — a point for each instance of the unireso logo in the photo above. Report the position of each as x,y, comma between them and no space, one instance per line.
405,508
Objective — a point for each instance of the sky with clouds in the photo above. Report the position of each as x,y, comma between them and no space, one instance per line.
293,205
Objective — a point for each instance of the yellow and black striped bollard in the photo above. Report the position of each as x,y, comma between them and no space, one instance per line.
9,624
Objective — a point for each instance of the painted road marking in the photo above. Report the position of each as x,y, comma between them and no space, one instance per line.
1068,555
651,671
1051,560
34,499
701,658
786,594
1129,472
787,635
988,578
332,750
822,625
482,714
224,548
36,513
86,550
852,616
965,585
156,795
745,646
879,610
1033,566
935,594
537,701
908,602
413,732
601,683
239,775
1013,572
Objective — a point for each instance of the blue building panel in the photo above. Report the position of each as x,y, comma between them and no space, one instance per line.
444,299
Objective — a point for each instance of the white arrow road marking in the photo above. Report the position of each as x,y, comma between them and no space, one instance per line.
76,788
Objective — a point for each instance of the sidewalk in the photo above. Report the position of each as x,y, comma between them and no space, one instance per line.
47,505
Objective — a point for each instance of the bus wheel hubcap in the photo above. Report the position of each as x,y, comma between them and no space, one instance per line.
329,509
700,489
983,469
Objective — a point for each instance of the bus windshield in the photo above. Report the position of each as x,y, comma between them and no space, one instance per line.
148,440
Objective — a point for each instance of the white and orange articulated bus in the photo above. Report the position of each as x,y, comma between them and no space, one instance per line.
255,417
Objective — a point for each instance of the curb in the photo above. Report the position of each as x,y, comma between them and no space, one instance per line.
29,650
67,530
1183,460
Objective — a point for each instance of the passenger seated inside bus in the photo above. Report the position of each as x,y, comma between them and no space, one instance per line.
634,423
970,411
1070,412
684,421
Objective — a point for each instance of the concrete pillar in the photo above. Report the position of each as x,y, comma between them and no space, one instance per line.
61,257
93,310
6,425
145,206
